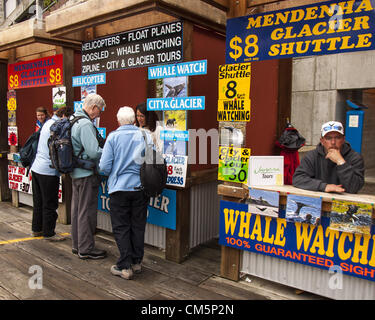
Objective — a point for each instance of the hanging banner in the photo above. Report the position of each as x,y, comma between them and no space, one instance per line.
316,29
148,46
36,73
312,244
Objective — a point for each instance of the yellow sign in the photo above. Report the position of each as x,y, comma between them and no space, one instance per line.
234,81
12,104
233,110
233,164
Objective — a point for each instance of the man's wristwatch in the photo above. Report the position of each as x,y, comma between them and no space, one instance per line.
340,163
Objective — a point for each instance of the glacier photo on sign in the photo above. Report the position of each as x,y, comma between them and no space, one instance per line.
263,202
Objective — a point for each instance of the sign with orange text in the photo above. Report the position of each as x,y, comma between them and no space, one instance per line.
36,73
313,244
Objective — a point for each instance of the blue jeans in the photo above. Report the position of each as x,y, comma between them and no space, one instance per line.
128,211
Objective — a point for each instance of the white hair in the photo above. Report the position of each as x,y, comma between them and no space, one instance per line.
92,100
125,115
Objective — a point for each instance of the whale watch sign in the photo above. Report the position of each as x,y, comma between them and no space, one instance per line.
317,29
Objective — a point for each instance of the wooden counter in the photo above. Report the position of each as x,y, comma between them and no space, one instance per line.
231,257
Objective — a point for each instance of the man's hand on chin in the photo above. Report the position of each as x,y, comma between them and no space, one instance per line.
334,188
335,156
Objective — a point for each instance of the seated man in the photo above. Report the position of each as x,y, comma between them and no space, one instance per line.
333,166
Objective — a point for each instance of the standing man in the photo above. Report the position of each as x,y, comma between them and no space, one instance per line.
85,182
45,182
121,162
333,166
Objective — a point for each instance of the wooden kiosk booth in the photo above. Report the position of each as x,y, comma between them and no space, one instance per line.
87,36
304,239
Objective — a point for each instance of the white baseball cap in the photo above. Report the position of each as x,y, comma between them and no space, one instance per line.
332,126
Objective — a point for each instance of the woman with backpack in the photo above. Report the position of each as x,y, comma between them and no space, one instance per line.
45,184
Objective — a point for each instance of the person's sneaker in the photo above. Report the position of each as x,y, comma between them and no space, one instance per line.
56,237
127,273
74,251
37,233
93,254
137,268
124,273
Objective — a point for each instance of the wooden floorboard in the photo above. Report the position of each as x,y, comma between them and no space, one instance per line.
66,277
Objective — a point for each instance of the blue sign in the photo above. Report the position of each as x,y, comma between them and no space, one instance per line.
316,29
102,132
174,135
191,68
78,105
313,244
161,209
92,79
179,103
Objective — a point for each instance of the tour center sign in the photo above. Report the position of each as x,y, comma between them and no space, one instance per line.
309,244
316,29
36,73
148,46
234,92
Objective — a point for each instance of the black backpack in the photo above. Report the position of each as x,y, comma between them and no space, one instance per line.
29,150
61,148
153,171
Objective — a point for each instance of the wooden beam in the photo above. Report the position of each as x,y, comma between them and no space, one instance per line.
94,13
237,8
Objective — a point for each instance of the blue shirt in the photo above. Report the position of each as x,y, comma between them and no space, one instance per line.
122,158
42,160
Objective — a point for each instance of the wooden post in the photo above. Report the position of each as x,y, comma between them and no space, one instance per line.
177,241
237,8
64,210
13,149
4,189
231,257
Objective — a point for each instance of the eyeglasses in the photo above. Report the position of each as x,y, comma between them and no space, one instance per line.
333,137
100,110
332,127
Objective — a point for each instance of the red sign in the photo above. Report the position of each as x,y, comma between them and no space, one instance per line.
36,73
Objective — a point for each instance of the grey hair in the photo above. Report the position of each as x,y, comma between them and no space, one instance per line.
92,100
125,115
